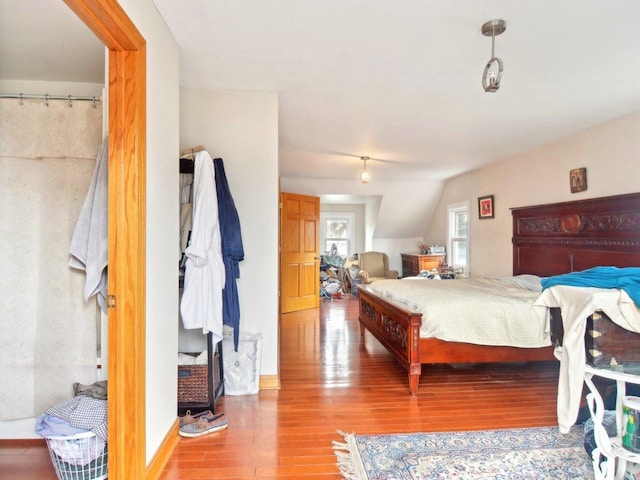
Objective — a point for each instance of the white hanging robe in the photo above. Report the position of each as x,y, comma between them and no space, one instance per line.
204,277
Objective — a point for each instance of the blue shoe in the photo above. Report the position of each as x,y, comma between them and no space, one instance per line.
204,425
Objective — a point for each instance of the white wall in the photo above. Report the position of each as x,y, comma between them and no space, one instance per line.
405,208
393,247
162,220
52,88
609,152
242,129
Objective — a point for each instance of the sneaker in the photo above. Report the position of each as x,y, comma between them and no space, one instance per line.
204,425
188,418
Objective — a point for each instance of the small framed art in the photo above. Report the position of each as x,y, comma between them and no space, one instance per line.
485,207
578,180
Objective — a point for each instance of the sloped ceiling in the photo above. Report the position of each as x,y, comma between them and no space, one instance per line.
399,82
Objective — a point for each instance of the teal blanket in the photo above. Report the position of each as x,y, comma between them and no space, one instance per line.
627,279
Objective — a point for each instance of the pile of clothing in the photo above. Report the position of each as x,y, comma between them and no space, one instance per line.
330,284
85,412
332,274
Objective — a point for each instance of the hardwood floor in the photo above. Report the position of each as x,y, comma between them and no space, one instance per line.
331,379
25,460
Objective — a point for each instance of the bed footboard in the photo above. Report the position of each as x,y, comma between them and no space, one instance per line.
395,327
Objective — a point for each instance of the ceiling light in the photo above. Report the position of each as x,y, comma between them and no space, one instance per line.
493,71
364,175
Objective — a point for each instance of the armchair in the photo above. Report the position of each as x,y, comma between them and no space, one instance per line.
375,266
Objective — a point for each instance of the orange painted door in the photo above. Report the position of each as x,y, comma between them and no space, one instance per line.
299,252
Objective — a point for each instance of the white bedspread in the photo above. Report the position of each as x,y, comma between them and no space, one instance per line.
482,311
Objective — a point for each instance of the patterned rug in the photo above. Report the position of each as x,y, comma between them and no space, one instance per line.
529,453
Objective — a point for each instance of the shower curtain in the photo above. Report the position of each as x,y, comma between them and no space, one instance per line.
47,330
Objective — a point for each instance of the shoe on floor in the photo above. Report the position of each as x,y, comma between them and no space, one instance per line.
204,425
188,418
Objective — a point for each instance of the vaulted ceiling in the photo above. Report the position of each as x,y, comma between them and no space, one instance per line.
398,81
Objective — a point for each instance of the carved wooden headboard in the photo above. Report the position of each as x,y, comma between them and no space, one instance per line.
571,236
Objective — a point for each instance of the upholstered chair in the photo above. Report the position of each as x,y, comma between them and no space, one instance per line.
375,266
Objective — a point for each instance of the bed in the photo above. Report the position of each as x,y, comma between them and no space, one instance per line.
547,240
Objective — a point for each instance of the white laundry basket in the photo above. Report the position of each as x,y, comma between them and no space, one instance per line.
78,457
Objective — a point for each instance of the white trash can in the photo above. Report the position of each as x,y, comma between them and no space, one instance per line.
242,368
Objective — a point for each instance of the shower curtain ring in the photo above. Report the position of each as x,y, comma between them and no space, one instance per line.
69,100
21,102
93,102
46,99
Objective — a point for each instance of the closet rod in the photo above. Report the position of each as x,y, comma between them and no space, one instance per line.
47,97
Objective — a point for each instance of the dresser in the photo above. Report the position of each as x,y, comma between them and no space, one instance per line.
412,264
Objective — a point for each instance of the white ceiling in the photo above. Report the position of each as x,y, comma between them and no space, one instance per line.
399,81
44,40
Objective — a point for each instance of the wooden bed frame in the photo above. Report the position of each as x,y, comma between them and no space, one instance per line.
547,240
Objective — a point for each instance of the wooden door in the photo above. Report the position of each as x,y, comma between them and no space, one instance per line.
299,252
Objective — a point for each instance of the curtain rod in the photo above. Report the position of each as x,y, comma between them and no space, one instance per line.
46,97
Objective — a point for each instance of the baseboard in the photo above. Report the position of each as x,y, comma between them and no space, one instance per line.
269,382
160,459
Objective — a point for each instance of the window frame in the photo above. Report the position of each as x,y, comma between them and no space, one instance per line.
452,210
350,220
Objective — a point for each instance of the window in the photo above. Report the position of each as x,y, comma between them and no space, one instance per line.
459,235
337,229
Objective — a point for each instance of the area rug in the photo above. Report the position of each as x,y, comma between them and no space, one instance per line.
513,454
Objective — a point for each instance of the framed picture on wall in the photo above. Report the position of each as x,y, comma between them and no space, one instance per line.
485,207
578,180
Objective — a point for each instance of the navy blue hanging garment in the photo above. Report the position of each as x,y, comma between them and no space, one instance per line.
232,250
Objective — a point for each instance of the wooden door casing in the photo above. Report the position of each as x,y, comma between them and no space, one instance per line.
127,233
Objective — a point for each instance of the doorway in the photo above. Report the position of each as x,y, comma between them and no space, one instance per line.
127,192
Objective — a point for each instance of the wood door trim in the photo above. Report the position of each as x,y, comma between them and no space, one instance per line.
127,232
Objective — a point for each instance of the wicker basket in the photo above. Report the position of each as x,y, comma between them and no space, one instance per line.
193,383
82,456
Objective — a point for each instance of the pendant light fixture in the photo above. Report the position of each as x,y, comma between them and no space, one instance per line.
493,71
364,175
